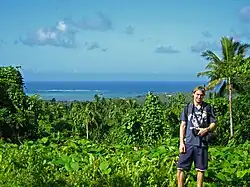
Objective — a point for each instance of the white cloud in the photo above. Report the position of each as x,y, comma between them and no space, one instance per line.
207,34
44,35
2,42
92,46
61,26
63,33
245,13
129,30
58,36
98,23
244,34
203,45
166,50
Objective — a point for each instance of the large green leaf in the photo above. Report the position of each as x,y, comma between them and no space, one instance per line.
74,166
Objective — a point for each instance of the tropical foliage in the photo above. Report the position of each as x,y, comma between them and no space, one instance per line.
230,64
79,162
232,67
113,142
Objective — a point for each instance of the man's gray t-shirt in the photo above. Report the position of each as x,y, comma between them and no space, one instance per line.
196,116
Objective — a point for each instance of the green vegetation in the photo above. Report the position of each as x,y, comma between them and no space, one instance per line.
232,67
113,142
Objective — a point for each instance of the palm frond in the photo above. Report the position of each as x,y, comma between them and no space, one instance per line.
211,56
211,65
243,49
233,56
228,48
213,83
222,88
204,73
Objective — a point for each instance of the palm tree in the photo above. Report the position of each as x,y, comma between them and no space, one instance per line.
224,68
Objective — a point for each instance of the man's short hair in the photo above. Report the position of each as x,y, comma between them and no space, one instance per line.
201,88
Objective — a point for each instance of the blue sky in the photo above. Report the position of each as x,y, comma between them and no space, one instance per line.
113,39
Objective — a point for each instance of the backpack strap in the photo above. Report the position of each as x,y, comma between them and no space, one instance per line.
186,115
207,106
186,111
208,110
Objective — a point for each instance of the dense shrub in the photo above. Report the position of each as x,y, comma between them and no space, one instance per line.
79,162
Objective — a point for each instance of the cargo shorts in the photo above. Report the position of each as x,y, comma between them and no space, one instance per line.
198,155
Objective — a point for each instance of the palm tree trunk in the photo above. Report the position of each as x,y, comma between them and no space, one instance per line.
230,108
87,130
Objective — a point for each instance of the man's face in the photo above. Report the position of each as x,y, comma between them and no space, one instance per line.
198,96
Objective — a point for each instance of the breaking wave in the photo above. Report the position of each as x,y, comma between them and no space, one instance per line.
55,90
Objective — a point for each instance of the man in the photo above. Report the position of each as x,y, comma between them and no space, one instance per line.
197,120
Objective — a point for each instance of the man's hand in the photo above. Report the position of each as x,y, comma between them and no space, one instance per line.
202,131
182,148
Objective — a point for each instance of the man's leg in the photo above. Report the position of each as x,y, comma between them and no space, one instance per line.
180,178
200,177
201,163
184,163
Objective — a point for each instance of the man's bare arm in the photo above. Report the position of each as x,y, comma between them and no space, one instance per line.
182,131
211,127
182,147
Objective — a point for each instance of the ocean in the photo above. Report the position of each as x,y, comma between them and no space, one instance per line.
85,90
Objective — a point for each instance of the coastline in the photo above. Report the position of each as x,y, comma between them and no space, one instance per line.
86,90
